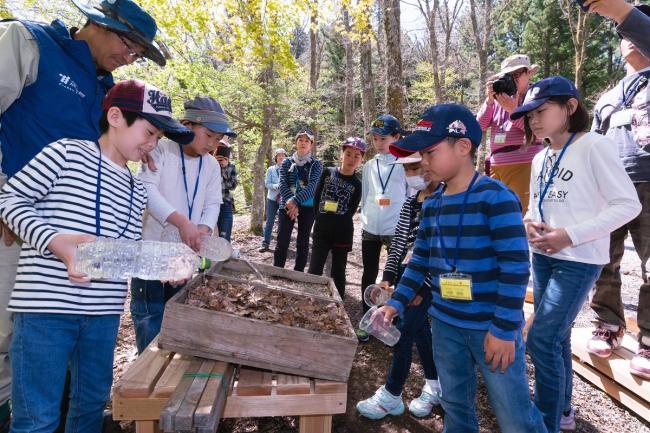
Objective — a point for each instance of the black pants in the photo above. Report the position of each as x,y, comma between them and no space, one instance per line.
285,227
370,252
319,252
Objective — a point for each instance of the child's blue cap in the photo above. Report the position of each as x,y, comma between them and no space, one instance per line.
541,91
209,113
354,143
437,123
386,125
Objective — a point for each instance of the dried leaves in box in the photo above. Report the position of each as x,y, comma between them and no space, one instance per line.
247,300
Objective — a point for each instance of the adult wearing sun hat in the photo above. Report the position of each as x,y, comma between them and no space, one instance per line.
52,83
510,158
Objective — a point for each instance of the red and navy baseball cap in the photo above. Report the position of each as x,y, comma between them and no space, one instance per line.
151,104
438,123
541,91
386,125
354,143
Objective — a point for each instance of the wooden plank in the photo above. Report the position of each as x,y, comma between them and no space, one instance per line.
284,405
254,382
256,343
138,408
619,393
140,379
184,417
169,410
288,384
171,376
146,427
329,387
210,408
316,424
616,367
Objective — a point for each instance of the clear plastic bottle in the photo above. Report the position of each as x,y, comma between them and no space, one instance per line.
217,249
108,258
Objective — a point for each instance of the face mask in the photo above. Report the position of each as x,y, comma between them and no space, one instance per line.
417,182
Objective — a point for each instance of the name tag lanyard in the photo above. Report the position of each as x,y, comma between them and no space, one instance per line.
459,229
190,205
632,90
543,189
98,197
381,182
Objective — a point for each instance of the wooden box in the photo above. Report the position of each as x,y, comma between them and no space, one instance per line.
257,343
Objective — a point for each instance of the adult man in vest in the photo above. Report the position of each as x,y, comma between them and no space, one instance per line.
52,83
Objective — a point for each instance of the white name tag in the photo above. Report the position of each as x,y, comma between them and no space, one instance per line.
499,138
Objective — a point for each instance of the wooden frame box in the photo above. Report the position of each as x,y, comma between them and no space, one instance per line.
271,346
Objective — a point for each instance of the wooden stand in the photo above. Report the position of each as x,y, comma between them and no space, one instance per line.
182,392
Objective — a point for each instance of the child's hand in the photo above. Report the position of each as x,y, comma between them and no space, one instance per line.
6,234
498,352
149,162
553,240
292,209
64,246
386,286
533,230
389,313
205,230
191,235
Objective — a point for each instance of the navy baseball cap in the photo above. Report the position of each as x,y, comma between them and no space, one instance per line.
386,125
151,104
541,91
437,123
209,113
125,17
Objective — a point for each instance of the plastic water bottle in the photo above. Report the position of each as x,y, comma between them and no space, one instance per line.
108,258
214,248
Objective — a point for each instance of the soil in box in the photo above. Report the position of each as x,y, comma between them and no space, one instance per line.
248,300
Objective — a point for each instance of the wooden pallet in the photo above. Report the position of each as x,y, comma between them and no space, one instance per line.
612,375
158,377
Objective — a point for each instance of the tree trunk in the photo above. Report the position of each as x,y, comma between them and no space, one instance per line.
482,38
313,47
430,12
394,82
348,99
257,207
582,34
367,85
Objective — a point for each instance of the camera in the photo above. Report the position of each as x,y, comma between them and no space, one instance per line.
505,84
581,3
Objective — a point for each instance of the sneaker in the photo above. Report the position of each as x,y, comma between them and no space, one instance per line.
422,406
264,249
605,340
568,422
381,404
640,364
362,335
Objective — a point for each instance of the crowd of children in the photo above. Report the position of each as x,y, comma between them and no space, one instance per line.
459,246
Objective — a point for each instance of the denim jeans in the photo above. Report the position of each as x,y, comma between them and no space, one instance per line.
560,288
44,346
8,265
271,212
415,328
148,299
458,352
285,227
224,223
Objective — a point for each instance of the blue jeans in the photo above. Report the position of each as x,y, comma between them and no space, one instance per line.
224,223
560,289
414,326
271,212
458,352
44,347
148,299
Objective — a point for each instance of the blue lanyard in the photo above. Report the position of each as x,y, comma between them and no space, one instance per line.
381,182
98,197
543,189
190,206
632,90
459,229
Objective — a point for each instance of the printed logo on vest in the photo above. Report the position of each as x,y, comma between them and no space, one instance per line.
67,83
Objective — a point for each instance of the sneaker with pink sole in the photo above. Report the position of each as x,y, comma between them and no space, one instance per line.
605,339
640,364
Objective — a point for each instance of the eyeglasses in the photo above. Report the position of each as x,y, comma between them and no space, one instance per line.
130,49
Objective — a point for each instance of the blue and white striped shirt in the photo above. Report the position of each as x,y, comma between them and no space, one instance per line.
493,251
55,193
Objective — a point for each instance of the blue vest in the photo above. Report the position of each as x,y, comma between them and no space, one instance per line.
64,101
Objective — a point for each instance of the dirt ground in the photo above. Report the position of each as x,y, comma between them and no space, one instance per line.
595,411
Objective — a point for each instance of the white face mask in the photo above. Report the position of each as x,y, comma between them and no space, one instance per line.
417,182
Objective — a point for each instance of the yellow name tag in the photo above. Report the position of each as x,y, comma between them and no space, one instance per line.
457,287
330,206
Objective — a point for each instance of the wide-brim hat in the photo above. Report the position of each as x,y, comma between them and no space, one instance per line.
514,63
126,18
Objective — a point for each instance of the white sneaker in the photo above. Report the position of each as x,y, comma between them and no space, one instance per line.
381,404
568,422
422,406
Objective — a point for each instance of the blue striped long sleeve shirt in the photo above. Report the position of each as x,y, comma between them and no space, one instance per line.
493,250
289,182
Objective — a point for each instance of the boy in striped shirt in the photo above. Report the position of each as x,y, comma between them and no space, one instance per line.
70,192
473,245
